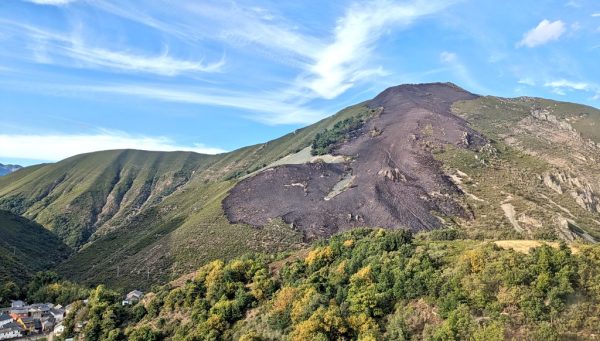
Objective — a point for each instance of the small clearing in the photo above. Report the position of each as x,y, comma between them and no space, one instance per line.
525,246
276,266
302,157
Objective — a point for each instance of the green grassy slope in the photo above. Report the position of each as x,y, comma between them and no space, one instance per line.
26,247
143,217
79,195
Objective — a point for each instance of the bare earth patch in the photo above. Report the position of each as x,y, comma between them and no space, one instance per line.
525,246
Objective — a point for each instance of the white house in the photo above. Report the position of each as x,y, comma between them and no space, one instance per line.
17,304
4,320
58,314
133,297
10,331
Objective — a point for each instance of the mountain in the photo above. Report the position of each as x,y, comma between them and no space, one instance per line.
420,157
26,248
388,179
7,169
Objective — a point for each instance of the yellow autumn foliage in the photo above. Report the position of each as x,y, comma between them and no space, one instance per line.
322,253
301,305
363,275
284,299
475,259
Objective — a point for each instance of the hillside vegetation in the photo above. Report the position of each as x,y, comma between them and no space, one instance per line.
369,285
539,176
26,248
414,157
139,217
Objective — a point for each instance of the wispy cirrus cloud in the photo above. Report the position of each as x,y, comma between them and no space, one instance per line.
54,147
327,66
51,2
527,81
545,32
462,72
345,61
72,50
267,108
561,86
163,64
563,83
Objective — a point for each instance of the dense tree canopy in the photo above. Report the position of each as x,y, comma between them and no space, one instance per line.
370,285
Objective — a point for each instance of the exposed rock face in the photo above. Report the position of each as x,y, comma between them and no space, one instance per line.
545,115
582,192
396,180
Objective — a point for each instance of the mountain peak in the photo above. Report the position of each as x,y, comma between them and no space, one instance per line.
433,96
390,177
7,169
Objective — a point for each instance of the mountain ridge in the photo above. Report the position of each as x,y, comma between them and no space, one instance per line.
150,216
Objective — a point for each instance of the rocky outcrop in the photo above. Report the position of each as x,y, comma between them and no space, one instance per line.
582,192
545,115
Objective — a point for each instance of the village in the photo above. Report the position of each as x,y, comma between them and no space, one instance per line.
42,319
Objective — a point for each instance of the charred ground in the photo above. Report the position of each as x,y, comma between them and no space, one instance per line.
391,179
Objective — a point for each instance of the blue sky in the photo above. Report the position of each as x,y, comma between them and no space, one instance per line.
212,76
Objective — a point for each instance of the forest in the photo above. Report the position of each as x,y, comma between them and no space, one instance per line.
367,284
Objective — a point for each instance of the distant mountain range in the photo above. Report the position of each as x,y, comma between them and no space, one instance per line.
7,169
421,157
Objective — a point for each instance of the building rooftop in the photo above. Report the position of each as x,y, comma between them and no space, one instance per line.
17,304
135,293
10,326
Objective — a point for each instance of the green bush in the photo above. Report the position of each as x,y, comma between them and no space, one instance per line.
324,142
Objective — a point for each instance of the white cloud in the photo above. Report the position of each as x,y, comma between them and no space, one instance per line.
268,109
562,86
48,46
51,2
461,72
336,68
325,66
527,81
565,84
596,15
55,147
161,65
543,33
448,57
227,22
